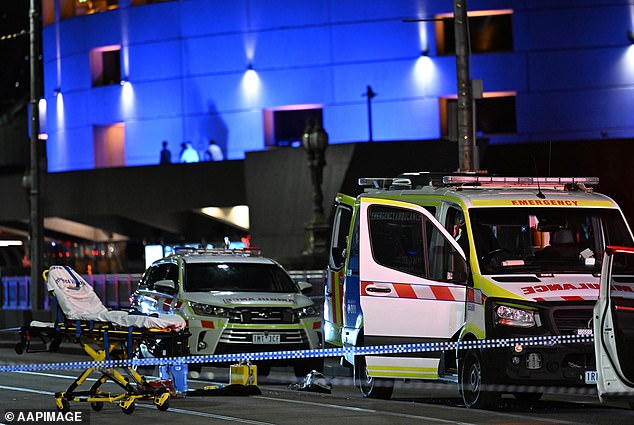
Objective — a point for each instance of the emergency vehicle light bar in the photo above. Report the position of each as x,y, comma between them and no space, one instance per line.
241,252
520,181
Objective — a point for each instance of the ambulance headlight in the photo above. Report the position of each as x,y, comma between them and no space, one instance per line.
513,316
308,311
209,310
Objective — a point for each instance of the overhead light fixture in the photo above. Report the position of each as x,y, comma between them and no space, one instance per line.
630,36
425,51
123,82
57,91
250,66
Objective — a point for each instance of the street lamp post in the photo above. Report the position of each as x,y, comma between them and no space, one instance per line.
315,142
33,180
370,95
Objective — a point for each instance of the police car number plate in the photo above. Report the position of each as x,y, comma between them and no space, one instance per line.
266,338
591,376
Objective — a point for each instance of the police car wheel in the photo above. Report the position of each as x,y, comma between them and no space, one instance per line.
370,387
472,379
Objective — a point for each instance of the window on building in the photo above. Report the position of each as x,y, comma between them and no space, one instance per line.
142,2
71,8
284,126
489,31
494,114
109,145
105,65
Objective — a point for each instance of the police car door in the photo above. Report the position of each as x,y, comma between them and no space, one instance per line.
413,285
614,326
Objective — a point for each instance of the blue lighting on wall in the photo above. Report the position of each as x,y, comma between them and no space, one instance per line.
189,81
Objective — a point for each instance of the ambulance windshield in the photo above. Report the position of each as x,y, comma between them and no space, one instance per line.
545,240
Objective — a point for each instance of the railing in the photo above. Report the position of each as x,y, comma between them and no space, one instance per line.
114,289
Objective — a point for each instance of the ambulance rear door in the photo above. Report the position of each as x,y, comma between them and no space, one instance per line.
339,248
413,285
614,326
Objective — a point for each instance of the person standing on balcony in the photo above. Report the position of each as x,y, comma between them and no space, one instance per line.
166,154
213,152
189,154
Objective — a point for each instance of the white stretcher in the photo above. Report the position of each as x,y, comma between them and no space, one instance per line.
104,335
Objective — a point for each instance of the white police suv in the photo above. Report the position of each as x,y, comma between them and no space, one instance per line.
234,301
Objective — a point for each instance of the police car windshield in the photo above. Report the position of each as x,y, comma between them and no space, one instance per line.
549,240
239,277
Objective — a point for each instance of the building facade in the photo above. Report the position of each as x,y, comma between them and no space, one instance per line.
121,76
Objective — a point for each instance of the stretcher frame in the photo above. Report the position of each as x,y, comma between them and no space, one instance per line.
103,341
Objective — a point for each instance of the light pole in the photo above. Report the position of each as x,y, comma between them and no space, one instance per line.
33,180
466,128
315,142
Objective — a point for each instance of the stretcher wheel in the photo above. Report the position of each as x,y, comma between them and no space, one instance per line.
163,406
65,406
96,405
128,410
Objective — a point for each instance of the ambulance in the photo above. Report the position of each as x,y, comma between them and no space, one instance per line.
427,257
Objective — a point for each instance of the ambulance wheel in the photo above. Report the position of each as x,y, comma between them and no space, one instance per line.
472,380
528,397
96,405
128,410
372,387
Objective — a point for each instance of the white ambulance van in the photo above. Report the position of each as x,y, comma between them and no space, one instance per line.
440,258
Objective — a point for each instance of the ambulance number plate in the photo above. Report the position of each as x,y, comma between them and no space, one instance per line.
266,338
592,376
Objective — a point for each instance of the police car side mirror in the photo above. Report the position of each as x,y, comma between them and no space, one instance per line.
166,285
305,287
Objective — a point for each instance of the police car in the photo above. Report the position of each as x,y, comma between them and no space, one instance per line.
234,301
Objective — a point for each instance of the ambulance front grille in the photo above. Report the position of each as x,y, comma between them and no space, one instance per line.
568,320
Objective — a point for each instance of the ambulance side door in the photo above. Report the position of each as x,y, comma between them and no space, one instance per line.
413,275
339,249
613,325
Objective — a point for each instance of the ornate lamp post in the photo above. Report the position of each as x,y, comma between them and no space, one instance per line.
315,142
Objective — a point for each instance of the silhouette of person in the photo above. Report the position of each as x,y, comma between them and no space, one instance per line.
189,154
213,152
166,155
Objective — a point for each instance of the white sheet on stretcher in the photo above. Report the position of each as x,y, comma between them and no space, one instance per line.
78,301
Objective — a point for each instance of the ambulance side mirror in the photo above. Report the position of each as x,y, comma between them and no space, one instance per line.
459,272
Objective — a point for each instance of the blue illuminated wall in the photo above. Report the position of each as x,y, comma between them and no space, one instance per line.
572,70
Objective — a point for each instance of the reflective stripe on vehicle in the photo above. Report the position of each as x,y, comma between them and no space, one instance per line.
407,290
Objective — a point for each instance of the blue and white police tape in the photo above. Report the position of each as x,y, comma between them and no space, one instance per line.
304,354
